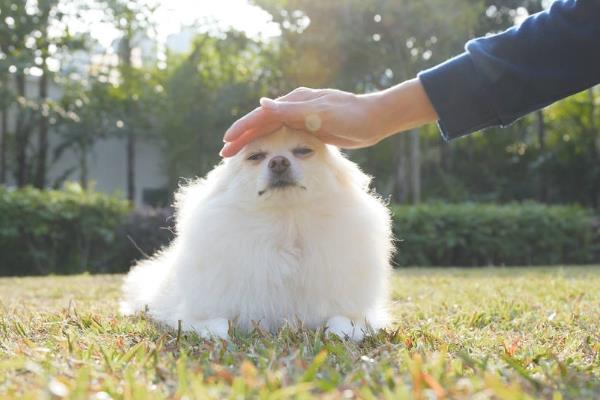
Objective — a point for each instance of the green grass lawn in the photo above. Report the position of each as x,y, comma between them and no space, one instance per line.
459,333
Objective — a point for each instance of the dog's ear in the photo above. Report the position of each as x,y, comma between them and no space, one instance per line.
194,193
347,172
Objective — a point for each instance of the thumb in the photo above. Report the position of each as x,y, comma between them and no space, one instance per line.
268,104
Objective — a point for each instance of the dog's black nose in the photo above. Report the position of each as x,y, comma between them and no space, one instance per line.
279,164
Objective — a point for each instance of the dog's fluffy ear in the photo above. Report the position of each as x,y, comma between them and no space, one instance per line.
347,172
194,192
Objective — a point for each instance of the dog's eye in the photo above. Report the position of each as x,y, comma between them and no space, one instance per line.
302,151
257,156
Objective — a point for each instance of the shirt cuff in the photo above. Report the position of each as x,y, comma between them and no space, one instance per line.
459,96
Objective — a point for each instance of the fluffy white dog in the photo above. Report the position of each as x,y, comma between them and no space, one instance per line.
286,231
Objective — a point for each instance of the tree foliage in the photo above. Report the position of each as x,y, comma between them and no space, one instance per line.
204,91
31,34
187,100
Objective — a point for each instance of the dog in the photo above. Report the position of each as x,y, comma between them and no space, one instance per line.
285,232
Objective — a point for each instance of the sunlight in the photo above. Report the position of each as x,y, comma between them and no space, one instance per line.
231,13
172,15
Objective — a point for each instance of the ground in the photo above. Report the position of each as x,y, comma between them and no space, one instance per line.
459,333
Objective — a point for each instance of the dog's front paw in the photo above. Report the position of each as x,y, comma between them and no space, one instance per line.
212,328
345,328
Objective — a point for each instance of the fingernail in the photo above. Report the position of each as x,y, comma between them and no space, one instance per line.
223,149
268,103
226,137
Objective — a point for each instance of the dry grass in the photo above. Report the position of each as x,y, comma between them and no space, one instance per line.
460,333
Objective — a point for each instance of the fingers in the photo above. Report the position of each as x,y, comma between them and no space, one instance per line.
290,113
252,120
303,94
259,122
262,121
257,117
338,141
230,149
295,110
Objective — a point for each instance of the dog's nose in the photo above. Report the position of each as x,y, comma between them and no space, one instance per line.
279,164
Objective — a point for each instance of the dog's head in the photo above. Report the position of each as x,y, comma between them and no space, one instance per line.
289,167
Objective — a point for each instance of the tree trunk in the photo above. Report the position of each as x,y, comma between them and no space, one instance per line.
595,144
125,55
400,176
594,122
42,151
172,175
131,166
3,138
445,157
415,166
542,142
21,137
83,166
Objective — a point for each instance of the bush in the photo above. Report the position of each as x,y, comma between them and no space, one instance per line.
72,231
472,234
141,234
466,234
66,231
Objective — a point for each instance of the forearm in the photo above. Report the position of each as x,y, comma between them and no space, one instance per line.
500,78
400,108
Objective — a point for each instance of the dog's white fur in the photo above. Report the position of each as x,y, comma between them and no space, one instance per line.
316,253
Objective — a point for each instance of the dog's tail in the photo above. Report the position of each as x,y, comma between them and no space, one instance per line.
145,285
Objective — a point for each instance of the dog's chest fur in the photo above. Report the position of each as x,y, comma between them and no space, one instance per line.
281,273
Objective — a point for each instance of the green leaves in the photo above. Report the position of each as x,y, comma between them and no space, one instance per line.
56,231
470,234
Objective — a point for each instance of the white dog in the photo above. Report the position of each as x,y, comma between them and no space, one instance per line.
286,231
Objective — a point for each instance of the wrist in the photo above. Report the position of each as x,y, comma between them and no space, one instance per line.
400,108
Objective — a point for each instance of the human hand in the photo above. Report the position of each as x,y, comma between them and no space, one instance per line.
334,116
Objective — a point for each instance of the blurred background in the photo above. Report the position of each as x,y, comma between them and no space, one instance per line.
106,104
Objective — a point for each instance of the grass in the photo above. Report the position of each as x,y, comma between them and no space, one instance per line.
460,333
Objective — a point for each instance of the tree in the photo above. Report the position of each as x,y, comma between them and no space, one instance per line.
32,35
202,94
86,116
49,15
356,45
573,161
133,20
5,101
18,55
541,128
371,45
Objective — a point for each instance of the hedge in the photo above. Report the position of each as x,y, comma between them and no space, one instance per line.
73,231
142,233
471,234
67,231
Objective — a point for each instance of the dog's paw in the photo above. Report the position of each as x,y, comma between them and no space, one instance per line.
212,328
345,328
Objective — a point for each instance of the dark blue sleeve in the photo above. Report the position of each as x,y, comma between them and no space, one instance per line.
500,78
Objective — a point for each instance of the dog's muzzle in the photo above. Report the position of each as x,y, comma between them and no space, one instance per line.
280,174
